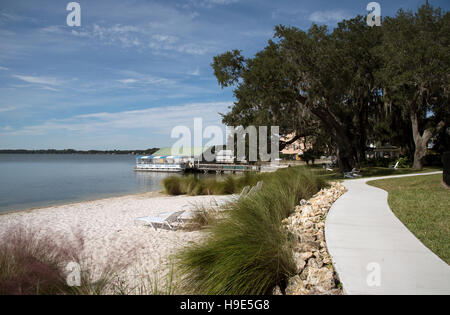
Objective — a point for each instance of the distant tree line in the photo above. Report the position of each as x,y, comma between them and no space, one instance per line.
351,87
72,151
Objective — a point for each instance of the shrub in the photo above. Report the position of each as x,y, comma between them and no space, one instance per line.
249,251
203,217
380,162
172,185
230,185
404,162
29,265
194,186
34,264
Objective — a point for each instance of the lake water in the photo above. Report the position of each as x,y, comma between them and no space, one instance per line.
39,180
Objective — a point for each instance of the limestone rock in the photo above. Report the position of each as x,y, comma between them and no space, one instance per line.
276,291
322,278
305,255
309,247
306,227
293,286
299,262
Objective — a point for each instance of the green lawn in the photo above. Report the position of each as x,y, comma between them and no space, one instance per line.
423,205
369,172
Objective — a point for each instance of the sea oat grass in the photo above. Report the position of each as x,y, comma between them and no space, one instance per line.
248,252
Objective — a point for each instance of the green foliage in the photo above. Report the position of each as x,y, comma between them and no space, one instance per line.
404,162
227,67
203,217
172,186
309,156
349,87
194,186
414,75
249,251
380,162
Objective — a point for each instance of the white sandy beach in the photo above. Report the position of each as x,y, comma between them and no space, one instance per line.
110,229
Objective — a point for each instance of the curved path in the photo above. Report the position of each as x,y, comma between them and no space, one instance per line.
373,252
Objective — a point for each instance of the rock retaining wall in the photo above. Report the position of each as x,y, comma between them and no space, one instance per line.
315,273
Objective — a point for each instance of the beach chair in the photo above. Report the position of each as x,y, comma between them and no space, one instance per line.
395,166
243,193
328,167
258,187
167,219
247,191
349,175
356,173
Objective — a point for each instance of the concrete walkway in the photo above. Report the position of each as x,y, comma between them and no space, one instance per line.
373,252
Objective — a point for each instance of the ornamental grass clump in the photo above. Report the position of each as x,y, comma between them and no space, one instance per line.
33,263
249,251
195,186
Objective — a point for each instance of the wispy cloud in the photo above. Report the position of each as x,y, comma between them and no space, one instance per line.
7,109
159,120
3,68
211,3
145,36
127,81
40,80
134,77
195,72
9,17
329,16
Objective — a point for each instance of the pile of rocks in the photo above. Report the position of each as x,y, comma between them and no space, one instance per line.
315,273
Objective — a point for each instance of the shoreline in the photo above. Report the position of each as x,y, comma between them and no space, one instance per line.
63,203
110,232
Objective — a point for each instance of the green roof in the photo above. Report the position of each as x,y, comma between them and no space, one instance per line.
188,151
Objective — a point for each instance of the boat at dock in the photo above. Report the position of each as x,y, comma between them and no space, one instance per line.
173,164
192,160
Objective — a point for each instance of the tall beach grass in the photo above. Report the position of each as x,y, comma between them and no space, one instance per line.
193,186
249,251
33,263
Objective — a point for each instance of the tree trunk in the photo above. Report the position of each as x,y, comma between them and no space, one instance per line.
421,141
362,125
419,154
344,150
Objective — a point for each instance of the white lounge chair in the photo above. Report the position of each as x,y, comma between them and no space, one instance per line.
328,167
246,191
356,173
395,166
167,219
243,193
349,175
256,188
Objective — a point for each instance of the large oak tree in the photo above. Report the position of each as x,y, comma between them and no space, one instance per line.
415,73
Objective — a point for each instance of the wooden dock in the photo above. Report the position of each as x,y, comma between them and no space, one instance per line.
226,168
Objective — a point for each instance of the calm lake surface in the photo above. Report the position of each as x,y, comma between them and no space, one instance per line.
39,180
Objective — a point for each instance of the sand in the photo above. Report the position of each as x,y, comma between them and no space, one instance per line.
111,232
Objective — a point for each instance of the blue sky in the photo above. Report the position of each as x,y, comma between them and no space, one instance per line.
134,69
